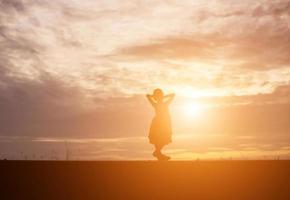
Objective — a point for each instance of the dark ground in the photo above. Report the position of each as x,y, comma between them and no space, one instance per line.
218,180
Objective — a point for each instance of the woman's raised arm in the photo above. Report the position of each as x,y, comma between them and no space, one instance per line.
168,98
151,99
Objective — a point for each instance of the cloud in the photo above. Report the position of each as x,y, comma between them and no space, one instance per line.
245,35
279,96
176,48
110,43
17,5
278,8
261,50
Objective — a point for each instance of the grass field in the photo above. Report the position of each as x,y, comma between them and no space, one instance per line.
219,180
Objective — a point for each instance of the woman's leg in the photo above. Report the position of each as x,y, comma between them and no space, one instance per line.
158,149
158,154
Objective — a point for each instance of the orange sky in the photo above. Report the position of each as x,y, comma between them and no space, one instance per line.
77,71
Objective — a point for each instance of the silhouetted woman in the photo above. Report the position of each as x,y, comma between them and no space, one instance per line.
160,130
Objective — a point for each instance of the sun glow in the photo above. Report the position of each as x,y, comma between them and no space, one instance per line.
193,110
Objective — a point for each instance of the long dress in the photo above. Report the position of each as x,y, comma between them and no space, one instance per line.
160,130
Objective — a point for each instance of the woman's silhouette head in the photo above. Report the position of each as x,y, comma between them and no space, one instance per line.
158,95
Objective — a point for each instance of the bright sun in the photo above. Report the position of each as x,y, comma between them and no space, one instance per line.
193,110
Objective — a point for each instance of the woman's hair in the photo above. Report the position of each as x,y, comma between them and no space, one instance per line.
158,94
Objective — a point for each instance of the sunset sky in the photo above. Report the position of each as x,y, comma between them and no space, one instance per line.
74,74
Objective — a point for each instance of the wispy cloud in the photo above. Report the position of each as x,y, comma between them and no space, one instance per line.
105,38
